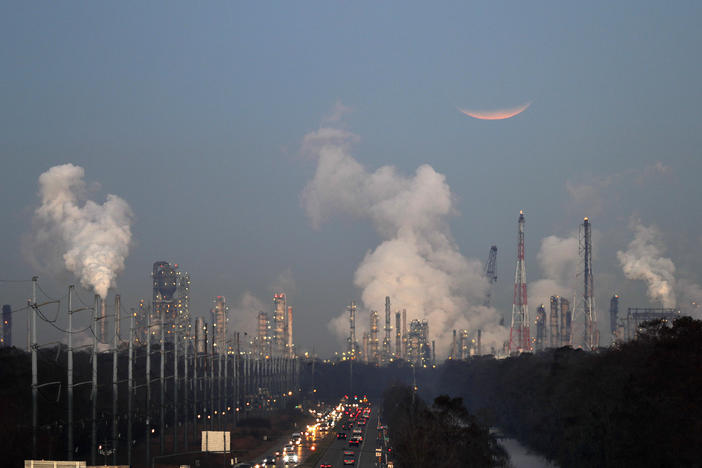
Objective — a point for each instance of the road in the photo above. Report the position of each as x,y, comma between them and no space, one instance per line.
365,453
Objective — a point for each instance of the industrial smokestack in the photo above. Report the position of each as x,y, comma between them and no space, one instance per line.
102,320
374,336
387,346
291,351
398,336
453,345
278,324
404,333
263,338
200,336
352,328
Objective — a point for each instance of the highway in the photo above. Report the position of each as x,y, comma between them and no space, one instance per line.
364,454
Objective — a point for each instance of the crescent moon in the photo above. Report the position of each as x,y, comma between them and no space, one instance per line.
499,114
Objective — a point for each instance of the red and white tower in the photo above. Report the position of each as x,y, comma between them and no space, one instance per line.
519,338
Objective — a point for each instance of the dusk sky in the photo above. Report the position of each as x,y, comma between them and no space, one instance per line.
221,124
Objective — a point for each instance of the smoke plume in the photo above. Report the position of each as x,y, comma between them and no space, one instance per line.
643,260
417,264
90,240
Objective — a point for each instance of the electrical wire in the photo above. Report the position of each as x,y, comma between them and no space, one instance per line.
45,294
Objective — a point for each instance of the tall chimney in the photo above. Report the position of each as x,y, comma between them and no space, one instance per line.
291,352
404,333
398,336
453,345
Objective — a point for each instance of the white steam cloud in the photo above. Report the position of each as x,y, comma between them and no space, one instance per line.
558,259
243,315
90,240
643,260
418,264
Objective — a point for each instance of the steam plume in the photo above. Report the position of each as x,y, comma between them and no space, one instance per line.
643,260
558,259
417,264
91,240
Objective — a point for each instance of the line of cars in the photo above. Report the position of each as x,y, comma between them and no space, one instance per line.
291,454
357,417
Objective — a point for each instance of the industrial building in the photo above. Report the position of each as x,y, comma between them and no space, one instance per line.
170,306
560,322
635,316
419,350
220,320
279,308
613,316
200,336
6,326
540,322
263,339
373,354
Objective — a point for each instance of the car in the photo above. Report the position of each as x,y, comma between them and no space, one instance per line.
325,465
349,460
354,442
340,435
290,457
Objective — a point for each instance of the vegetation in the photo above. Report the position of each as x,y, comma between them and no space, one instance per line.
636,405
443,435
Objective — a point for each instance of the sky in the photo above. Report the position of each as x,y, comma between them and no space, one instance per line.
197,116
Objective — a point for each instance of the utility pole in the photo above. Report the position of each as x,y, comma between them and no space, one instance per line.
162,428
195,386
69,377
35,377
130,387
219,385
175,389
226,383
186,390
93,390
237,376
115,384
148,388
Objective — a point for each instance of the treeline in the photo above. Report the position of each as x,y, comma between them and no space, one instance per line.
637,405
442,435
332,380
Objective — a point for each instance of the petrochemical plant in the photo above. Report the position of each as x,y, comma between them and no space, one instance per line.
215,372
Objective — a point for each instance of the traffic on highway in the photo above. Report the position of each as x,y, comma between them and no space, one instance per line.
350,433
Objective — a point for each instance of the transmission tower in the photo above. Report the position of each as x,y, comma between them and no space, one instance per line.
519,337
591,336
491,273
